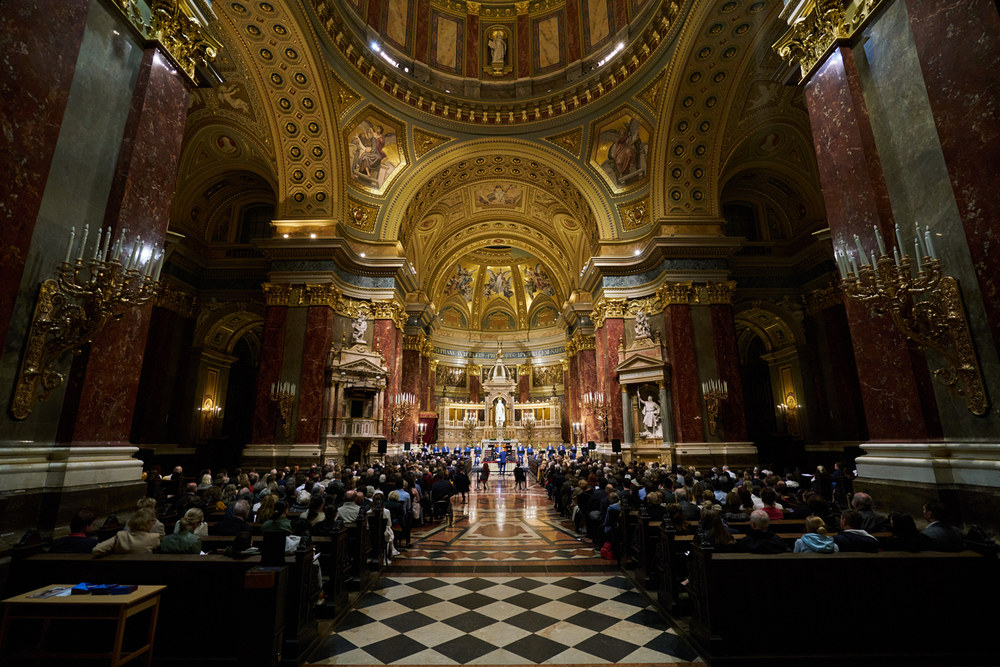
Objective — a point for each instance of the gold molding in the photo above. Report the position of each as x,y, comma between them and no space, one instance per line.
473,8
185,305
521,8
414,343
277,294
650,95
823,298
635,214
424,141
389,310
570,141
579,342
523,370
608,309
816,26
362,215
174,26
427,350
676,293
720,293
344,97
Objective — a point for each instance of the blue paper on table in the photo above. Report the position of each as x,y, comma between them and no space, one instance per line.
104,589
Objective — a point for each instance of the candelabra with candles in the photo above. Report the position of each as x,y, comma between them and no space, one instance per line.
789,410
96,286
283,394
421,432
528,424
401,406
924,303
578,433
595,403
714,391
470,424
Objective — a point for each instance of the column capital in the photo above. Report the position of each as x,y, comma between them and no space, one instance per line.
473,8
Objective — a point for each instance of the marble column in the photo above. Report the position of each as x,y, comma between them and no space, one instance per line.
423,25
727,363
374,15
385,337
141,193
572,34
523,381
686,406
474,383
613,331
312,381
588,382
666,414
472,45
410,383
895,381
628,435
957,63
272,349
40,42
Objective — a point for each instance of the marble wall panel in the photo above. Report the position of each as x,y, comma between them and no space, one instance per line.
472,46
548,42
856,197
588,381
727,364
40,42
614,331
312,382
447,42
704,356
384,336
474,388
141,193
621,12
397,24
598,23
524,39
423,27
684,373
375,14
523,390
272,349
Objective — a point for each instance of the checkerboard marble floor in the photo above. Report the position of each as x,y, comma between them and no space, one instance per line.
577,620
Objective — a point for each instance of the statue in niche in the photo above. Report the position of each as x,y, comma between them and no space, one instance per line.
650,417
641,324
501,414
498,46
360,327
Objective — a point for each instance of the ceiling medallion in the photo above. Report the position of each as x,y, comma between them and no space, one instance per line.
360,215
635,214
570,141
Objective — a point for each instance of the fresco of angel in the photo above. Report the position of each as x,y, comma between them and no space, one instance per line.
626,156
370,165
460,283
536,280
498,283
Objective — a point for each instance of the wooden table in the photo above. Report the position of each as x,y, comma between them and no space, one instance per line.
83,608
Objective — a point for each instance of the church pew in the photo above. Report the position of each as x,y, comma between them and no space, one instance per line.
282,620
896,607
647,545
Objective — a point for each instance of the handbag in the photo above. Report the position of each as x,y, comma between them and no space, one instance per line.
606,552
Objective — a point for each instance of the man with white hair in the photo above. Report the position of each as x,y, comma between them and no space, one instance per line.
870,521
761,539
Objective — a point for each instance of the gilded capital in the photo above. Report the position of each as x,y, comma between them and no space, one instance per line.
473,8
823,298
414,343
277,294
815,26
674,293
720,293
183,304
608,309
521,8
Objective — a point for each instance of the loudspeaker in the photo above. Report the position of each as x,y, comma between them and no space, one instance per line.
383,446
406,446
616,445
591,444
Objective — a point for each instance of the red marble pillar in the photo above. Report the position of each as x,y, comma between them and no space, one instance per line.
524,46
272,351
141,192
312,381
474,384
410,383
385,338
423,21
678,339
850,416
612,332
523,380
727,364
959,65
895,382
40,42
621,15
573,32
587,381
472,46
374,18
426,389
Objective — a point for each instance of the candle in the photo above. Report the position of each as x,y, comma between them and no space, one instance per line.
97,246
861,251
135,253
69,248
899,241
159,266
928,244
881,243
83,243
920,250
119,244
873,259
107,244
916,247
895,254
273,388
854,266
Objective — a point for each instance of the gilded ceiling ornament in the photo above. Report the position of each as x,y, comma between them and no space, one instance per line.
183,304
650,95
473,8
361,215
424,141
814,27
570,141
344,97
635,214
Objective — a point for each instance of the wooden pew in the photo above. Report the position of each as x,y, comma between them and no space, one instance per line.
647,569
895,607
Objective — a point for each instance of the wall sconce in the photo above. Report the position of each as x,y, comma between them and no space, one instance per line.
210,412
789,411
926,307
283,394
595,403
74,307
714,392
401,407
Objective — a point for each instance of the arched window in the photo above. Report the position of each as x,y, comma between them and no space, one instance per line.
741,220
255,222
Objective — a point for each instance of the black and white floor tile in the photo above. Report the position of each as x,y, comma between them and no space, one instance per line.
503,621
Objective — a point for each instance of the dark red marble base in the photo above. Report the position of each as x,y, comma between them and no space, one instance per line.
684,388
959,65
854,191
40,42
272,351
141,192
312,381
727,363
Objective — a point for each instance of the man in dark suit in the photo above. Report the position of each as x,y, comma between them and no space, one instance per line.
503,460
870,521
77,541
761,539
689,510
852,537
235,524
939,535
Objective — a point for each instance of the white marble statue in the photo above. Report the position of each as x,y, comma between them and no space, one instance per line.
650,417
360,327
499,370
498,46
501,414
641,324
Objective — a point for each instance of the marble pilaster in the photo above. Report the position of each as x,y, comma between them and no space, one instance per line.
312,381
613,332
587,381
475,384
423,24
272,347
727,363
472,46
410,383
686,406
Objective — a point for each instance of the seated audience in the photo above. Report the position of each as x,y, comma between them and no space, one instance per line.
852,537
235,524
761,540
905,536
732,511
242,546
136,540
186,540
939,535
150,503
870,521
77,541
768,498
266,508
676,517
713,531
815,539
279,521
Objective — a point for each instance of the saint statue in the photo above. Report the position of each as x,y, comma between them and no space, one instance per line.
501,414
498,46
360,327
499,370
650,416
641,324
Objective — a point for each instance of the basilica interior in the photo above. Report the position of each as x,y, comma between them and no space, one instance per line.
695,232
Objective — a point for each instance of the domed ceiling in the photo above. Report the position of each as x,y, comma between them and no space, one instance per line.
498,288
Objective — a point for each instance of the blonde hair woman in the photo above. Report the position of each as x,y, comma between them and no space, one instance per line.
150,503
185,539
136,540
815,539
266,509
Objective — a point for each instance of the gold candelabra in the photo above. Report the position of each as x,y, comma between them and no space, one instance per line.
99,285
401,407
595,403
578,433
789,410
470,424
926,307
421,432
283,394
714,391
528,424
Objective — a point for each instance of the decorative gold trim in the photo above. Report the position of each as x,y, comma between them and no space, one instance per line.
344,97
814,28
414,343
183,304
650,95
424,141
720,293
404,159
635,214
427,350
521,8
608,309
570,141
276,294
594,161
676,293
362,215
389,310
580,341
473,8
823,298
